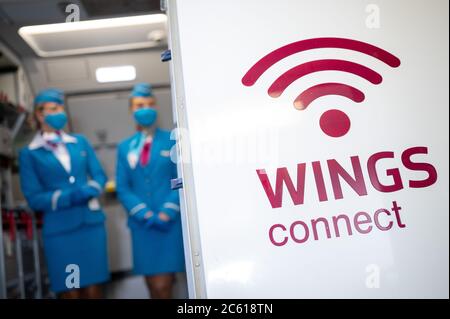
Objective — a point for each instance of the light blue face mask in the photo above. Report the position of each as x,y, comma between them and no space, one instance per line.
145,116
56,120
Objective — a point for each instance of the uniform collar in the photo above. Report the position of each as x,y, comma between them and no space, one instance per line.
39,141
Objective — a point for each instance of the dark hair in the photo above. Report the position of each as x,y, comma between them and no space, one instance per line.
37,108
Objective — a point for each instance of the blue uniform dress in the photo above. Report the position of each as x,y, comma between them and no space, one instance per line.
72,235
147,188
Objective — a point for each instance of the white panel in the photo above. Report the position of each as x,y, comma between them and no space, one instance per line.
236,130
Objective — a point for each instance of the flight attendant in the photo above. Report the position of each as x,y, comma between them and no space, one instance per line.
144,171
61,176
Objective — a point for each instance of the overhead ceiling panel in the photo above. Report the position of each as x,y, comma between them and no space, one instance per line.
95,36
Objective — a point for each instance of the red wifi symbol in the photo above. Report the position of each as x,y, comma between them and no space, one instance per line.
334,123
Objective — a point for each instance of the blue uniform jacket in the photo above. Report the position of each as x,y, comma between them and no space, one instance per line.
148,188
46,184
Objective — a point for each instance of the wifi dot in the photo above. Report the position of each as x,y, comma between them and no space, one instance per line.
335,123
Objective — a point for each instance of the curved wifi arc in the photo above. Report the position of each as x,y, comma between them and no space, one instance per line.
305,98
290,76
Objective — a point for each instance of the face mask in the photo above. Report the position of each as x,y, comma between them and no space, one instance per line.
56,120
145,116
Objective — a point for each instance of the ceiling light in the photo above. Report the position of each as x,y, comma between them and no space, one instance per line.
115,74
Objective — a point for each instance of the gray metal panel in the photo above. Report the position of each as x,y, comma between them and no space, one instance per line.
66,70
2,255
191,237
52,72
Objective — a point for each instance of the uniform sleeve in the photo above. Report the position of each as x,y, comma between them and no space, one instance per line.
132,203
95,170
171,204
37,197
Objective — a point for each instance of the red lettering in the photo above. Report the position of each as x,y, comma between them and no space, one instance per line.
396,209
314,227
305,228
356,183
336,227
354,180
359,222
320,184
276,198
432,173
272,239
377,221
394,172
299,231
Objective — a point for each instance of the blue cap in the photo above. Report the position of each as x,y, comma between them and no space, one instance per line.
49,95
142,90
